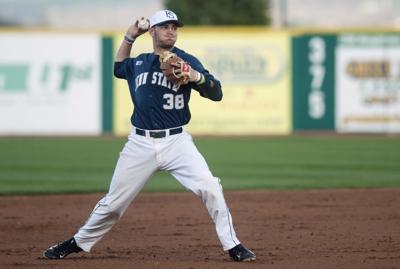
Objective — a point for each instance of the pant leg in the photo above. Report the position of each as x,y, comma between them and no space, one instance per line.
136,163
189,167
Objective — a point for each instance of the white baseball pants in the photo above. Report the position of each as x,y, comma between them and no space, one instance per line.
139,159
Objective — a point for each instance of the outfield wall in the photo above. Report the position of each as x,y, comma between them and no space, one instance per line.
274,82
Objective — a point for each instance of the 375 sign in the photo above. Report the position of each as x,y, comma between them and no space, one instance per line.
317,71
313,82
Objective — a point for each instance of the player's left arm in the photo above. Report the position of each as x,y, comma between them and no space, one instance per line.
202,81
209,87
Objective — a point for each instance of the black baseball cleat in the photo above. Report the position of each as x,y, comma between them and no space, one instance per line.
62,250
241,254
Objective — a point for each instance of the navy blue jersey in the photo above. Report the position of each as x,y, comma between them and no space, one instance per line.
158,104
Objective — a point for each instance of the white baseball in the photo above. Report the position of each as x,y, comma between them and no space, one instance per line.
143,24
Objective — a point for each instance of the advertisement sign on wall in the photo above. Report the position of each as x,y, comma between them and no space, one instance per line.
50,84
368,83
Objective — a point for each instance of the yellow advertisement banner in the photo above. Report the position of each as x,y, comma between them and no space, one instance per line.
254,70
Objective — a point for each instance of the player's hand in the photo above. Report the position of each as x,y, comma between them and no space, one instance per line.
135,31
185,70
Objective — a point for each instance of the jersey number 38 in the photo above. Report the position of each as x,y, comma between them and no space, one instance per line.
173,101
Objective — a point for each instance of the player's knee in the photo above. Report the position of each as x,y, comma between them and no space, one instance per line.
118,211
106,213
210,190
114,211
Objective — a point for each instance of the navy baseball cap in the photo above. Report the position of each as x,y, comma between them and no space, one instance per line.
165,16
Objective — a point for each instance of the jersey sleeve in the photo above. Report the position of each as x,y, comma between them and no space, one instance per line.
211,87
124,69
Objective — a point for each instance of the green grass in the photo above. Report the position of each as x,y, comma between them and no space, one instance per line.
66,165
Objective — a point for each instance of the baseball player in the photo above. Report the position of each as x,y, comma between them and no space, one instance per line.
158,140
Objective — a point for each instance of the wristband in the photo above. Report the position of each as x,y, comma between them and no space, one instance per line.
200,79
129,39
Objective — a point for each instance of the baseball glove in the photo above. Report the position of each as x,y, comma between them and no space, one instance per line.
174,68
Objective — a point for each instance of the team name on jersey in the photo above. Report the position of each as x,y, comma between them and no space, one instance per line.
157,78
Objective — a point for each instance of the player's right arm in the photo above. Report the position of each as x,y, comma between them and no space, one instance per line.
124,50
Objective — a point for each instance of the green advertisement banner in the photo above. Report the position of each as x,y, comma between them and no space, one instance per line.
313,82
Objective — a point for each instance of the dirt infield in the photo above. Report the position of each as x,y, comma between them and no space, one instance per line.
290,229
